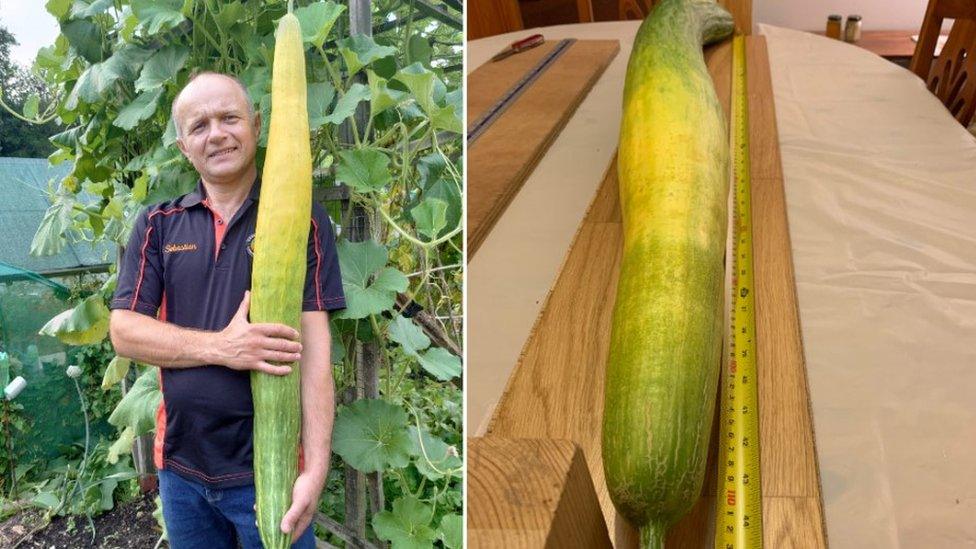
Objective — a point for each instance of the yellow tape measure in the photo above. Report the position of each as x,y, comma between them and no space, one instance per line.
739,497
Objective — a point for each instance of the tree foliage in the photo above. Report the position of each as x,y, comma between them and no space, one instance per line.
23,92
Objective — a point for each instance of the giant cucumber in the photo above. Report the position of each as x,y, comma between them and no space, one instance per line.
665,349
278,279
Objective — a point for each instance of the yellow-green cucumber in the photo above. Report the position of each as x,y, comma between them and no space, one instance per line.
667,330
278,279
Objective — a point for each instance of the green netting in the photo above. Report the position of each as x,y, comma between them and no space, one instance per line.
49,403
23,202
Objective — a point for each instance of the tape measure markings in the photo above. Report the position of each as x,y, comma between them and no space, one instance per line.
495,111
739,500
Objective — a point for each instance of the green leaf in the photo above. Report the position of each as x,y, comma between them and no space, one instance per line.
440,363
31,105
85,324
128,60
140,187
392,280
450,194
319,97
82,9
156,15
158,515
140,109
257,80
359,262
169,136
264,107
430,217
107,487
404,332
407,526
85,37
419,49
338,350
365,170
371,435
162,67
49,238
432,456
58,8
317,20
116,370
137,409
121,446
420,82
381,96
99,77
48,58
451,531
230,14
346,105
447,118
47,500
430,168
360,50
129,24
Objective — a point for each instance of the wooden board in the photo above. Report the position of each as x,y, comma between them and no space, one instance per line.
556,390
503,157
551,503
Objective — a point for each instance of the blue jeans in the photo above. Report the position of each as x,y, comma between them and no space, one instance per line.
198,517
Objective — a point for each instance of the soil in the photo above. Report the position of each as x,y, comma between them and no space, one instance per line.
128,526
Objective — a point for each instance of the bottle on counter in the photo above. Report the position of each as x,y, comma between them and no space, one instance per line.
833,26
852,29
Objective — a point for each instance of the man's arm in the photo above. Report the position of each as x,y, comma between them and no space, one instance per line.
318,412
240,346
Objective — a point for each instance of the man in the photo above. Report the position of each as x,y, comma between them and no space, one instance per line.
182,303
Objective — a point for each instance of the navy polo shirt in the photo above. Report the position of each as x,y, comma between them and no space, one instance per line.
189,267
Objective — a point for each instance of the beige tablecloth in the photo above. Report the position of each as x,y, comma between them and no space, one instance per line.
881,197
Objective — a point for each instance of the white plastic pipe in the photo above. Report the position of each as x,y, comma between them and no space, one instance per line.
14,388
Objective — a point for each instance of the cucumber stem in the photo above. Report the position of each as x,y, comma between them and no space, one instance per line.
652,536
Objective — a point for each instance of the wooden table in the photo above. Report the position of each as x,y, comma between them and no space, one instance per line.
556,390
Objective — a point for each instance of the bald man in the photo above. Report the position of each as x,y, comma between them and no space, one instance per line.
181,304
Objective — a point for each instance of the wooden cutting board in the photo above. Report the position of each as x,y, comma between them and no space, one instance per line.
502,157
556,390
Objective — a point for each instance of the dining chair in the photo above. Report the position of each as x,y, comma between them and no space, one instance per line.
952,75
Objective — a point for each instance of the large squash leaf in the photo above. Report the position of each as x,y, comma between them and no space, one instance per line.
371,435
87,323
407,526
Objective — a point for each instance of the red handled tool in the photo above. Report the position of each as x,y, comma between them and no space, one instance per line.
520,46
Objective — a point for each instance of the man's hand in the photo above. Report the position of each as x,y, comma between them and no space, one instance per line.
304,504
245,346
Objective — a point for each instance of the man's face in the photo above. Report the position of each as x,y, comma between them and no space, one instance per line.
217,133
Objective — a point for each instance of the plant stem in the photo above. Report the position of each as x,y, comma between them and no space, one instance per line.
417,241
652,536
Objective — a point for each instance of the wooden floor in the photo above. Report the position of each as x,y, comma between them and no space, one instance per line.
556,390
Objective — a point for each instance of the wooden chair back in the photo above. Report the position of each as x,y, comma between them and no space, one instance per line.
951,76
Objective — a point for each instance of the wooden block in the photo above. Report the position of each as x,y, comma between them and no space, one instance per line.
792,523
501,159
763,137
526,493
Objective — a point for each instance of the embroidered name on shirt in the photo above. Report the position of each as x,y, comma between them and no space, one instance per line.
173,248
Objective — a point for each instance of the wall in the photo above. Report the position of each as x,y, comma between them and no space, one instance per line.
812,15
